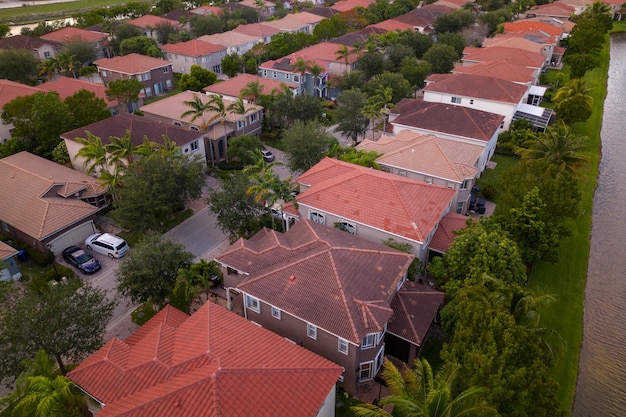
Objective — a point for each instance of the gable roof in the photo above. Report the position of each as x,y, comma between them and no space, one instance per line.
391,203
152,21
525,25
194,48
500,69
229,39
347,5
25,42
479,86
306,17
10,90
42,192
205,366
138,127
73,34
233,86
6,251
514,56
416,21
326,12
131,63
516,40
207,10
427,154
360,36
444,235
556,9
392,25
257,29
286,24
323,276
66,87
432,11
449,119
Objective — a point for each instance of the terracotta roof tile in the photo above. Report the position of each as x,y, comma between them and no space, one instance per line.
35,184
66,87
513,40
392,25
525,25
233,86
444,235
500,69
204,365
556,9
388,202
229,39
194,48
207,10
257,29
6,251
449,119
479,86
347,5
151,21
25,42
10,90
131,63
514,56
73,34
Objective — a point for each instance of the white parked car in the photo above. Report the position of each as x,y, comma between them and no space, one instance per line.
107,244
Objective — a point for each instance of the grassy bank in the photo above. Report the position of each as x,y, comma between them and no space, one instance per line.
567,279
44,11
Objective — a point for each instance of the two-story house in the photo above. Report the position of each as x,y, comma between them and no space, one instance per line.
456,123
263,32
137,128
183,55
155,74
336,294
288,25
232,88
215,127
9,91
372,204
514,56
284,70
40,48
502,70
98,40
148,24
234,42
430,159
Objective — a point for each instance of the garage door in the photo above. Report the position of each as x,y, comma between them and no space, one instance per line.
76,236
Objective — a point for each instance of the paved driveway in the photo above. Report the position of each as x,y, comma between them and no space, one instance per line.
199,233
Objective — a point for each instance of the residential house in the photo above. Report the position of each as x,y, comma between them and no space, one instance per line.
67,87
325,12
148,24
392,25
359,37
311,19
454,4
479,92
417,23
155,74
343,6
564,24
502,70
532,29
514,56
456,123
446,232
41,48
231,89
183,55
234,42
289,25
265,10
138,127
283,70
207,11
373,204
532,41
47,205
423,19
215,128
9,91
7,256
98,40
263,32
177,365
336,294
578,5
557,10
430,159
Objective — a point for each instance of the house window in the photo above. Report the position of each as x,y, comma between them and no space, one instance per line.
472,101
194,146
241,124
456,100
194,128
459,207
449,184
254,117
296,78
148,91
217,69
46,54
402,281
311,331
346,227
179,124
365,371
276,313
428,180
378,363
385,168
342,346
317,217
369,341
253,304
166,70
168,83
265,73
104,73
275,74
464,185
402,173
287,76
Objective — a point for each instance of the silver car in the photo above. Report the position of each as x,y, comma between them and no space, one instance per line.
107,244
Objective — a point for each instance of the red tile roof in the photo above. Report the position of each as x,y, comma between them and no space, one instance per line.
207,10
445,118
414,309
193,48
515,40
73,34
322,275
6,251
150,20
346,5
211,364
233,86
257,29
478,86
10,90
393,25
444,235
500,69
514,56
25,42
556,9
525,25
131,63
384,201
66,87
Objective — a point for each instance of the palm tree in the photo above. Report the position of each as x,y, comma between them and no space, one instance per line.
121,149
252,91
573,88
49,67
94,152
372,112
67,63
383,101
48,397
198,110
113,180
557,147
301,66
187,282
316,70
343,53
147,147
417,393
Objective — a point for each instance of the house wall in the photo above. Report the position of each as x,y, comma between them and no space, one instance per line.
505,109
157,81
46,51
5,131
283,76
328,407
367,232
182,63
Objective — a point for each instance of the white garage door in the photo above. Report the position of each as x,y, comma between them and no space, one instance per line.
76,236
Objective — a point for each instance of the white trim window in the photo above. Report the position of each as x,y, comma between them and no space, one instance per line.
194,146
346,227
241,124
166,70
343,346
456,100
253,304
428,180
369,341
276,313
311,331
316,217
194,128
464,184
366,371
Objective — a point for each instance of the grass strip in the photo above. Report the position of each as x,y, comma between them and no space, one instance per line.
45,11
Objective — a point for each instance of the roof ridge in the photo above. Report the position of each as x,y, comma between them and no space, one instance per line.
412,225
450,163
406,312
473,121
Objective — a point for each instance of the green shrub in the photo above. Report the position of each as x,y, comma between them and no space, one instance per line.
489,192
227,166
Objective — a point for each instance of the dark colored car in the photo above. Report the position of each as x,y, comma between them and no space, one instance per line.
81,260
480,206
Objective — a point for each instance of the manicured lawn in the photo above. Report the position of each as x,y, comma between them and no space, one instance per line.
29,14
491,177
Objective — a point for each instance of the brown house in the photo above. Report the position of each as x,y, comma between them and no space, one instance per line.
155,74
333,293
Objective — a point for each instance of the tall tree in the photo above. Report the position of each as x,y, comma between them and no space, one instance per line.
304,144
67,321
344,53
352,122
121,150
94,152
242,148
417,392
197,79
50,396
68,63
49,67
382,100
86,108
573,102
441,58
252,91
138,45
150,270
124,91
17,65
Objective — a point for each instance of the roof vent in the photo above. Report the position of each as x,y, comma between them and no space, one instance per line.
292,278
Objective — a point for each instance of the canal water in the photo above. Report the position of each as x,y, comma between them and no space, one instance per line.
601,387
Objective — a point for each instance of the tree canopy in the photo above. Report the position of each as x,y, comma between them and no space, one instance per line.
17,65
197,79
352,122
304,144
124,91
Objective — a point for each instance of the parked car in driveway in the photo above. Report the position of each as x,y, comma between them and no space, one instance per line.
81,260
268,156
107,244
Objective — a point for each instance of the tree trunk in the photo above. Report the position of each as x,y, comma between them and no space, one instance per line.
61,365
